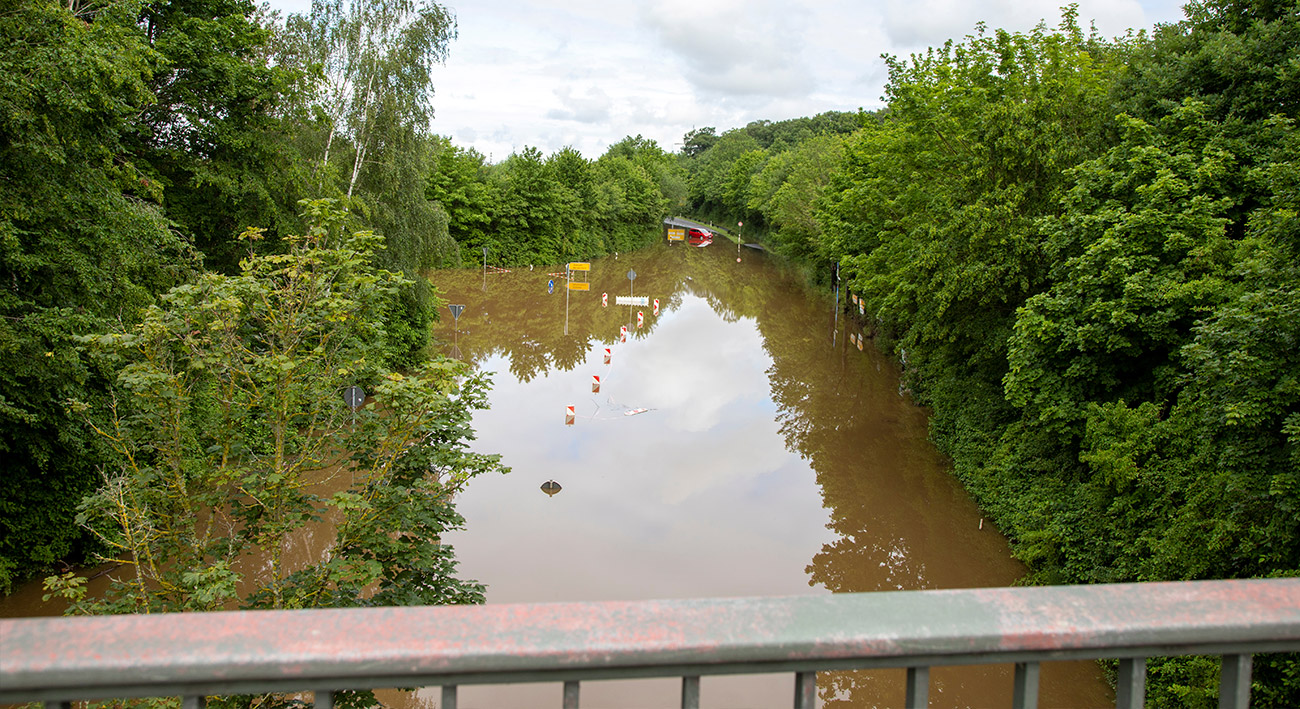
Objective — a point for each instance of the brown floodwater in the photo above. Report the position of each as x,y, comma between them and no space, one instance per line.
741,444
774,457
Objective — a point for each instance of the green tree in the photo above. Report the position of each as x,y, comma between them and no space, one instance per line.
710,172
630,203
698,141
735,190
529,218
661,166
214,126
232,436
372,61
376,57
577,187
83,242
1100,311
791,208
945,196
1141,252
458,180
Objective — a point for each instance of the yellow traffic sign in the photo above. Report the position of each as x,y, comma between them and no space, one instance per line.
676,234
579,266
578,285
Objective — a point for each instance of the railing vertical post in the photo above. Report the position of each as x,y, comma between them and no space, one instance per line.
691,692
571,695
805,690
194,702
322,699
1131,687
1025,695
918,688
1234,682
448,697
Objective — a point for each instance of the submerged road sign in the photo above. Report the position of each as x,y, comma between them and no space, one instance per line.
355,396
456,310
579,285
642,300
579,266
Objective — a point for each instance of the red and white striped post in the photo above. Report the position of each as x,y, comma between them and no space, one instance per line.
595,383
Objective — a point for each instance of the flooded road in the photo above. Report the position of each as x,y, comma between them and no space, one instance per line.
740,444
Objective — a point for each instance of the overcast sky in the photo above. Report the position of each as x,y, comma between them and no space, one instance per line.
587,73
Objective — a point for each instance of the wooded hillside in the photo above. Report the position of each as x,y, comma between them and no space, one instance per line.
1086,253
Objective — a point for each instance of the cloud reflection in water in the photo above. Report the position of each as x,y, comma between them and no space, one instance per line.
696,497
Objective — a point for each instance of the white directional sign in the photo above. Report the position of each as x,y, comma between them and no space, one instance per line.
642,300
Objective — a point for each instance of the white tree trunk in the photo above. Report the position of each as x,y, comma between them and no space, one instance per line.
363,132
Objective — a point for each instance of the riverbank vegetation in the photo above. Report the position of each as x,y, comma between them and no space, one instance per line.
240,477
139,139
1085,251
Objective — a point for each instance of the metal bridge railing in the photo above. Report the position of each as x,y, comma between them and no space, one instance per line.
58,660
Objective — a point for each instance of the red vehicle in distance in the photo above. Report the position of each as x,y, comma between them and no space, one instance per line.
699,237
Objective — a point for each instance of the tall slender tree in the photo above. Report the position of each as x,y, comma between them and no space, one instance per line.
376,58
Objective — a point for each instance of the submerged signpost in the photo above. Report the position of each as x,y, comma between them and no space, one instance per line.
355,396
631,283
456,310
572,285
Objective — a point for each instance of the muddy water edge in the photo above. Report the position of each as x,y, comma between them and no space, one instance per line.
743,440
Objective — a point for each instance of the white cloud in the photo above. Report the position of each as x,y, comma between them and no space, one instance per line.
592,106
732,49
586,73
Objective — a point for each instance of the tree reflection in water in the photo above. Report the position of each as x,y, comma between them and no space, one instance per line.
895,518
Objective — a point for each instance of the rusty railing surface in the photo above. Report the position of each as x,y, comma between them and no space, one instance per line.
58,660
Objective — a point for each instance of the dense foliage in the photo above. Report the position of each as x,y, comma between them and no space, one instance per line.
532,209
82,242
138,139
230,438
1084,251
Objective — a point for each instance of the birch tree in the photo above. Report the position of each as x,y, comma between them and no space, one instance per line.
375,58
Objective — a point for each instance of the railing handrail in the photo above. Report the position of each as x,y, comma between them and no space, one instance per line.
249,651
